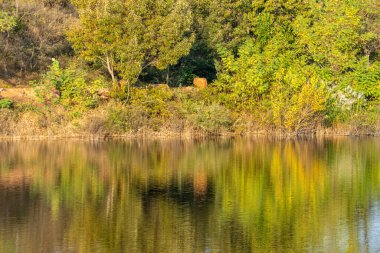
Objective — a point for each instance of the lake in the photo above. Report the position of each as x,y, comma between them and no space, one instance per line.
228,195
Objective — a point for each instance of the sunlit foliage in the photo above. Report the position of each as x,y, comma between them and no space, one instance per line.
294,66
127,36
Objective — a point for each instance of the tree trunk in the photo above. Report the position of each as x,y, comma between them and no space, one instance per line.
16,8
111,71
168,75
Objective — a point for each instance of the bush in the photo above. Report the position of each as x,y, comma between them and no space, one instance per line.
117,119
365,119
154,105
70,87
307,109
154,99
79,95
212,119
299,112
6,103
121,118
96,125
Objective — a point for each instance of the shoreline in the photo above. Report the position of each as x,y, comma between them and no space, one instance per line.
186,136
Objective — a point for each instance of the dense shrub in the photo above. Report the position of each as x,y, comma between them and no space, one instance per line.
152,104
212,119
70,87
299,111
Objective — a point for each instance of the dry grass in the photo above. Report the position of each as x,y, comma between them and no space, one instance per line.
19,95
185,118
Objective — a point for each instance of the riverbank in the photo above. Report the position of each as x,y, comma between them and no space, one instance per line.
32,133
157,112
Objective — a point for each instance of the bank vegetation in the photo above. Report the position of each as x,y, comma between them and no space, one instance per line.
126,68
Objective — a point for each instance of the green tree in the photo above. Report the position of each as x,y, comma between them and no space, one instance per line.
126,36
321,45
223,22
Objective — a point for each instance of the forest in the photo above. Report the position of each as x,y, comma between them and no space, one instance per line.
126,67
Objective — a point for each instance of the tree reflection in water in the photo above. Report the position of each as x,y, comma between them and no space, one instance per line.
190,196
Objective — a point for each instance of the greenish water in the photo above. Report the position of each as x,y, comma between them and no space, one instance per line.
190,196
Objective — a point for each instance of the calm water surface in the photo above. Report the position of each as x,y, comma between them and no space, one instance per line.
190,196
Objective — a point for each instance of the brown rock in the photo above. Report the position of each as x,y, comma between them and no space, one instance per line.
200,83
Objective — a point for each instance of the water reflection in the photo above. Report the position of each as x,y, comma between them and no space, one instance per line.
190,196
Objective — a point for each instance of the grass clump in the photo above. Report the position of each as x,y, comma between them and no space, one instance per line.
6,103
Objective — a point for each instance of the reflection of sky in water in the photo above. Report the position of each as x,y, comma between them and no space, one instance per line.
374,230
368,233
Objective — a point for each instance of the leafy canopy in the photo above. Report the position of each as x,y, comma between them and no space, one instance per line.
126,36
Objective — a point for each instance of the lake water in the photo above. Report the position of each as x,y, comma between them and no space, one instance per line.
190,196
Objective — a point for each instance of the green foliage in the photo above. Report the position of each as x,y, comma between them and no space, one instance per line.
155,100
7,21
57,77
213,118
198,63
48,88
246,77
223,22
6,104
158,108
301,111
28,108
69,87
365,120
306,47
366,79
148,107
127,36
290,64
153,103
119,118
79,95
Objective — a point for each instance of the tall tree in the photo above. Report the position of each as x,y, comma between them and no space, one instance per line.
300,47
126,36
